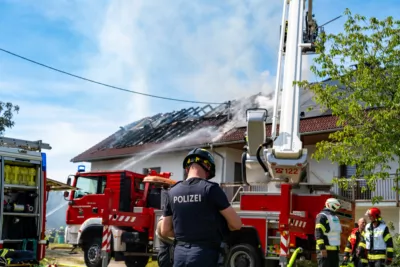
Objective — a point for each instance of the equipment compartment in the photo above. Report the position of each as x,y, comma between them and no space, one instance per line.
20,203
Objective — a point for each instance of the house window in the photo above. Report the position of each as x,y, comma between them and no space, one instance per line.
347,171
238,173
146,170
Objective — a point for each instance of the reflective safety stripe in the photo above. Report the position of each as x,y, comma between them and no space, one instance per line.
347,249
387,237
3,254
320,226
389,250
331,247
364,260
320,241
377,257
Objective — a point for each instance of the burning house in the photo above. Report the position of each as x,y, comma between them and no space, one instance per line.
161,142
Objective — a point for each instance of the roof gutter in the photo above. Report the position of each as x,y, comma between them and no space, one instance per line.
322,131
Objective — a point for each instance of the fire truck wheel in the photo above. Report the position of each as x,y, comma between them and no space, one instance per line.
92,253
136,261
243,255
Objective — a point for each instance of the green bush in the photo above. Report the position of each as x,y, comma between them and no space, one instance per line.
396,244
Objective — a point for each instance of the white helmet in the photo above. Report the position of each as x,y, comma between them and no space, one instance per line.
332,204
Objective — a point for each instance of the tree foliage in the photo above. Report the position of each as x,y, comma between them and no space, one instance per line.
7,111
364,59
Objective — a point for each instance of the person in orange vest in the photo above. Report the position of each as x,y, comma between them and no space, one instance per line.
377,242
350,252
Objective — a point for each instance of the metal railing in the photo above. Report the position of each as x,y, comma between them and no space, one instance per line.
383,188
359,191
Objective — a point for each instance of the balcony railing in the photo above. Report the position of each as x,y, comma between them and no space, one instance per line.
386,189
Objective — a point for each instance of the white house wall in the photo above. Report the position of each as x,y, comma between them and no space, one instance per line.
321,172
171,162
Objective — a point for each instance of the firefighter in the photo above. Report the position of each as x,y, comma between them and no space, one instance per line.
327,234
52,237
197,212
352,244
61,233
166,253
377,243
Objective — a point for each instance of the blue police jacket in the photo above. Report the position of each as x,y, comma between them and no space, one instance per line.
195,206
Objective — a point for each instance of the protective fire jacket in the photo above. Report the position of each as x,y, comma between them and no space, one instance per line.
327,230
377,242
352,242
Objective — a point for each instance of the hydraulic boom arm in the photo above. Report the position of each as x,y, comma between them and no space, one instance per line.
286,160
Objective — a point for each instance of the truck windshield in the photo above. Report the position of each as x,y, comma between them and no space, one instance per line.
89,185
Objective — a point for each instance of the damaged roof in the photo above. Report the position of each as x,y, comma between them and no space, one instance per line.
197,126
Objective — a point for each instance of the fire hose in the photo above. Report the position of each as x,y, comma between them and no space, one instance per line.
294,256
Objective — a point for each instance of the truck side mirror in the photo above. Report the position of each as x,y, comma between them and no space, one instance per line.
66,194
68,183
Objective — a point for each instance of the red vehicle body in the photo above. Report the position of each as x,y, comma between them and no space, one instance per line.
270,219
88,203
287,220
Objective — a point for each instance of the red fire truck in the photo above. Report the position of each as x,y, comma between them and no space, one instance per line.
87,203
23,194
278,218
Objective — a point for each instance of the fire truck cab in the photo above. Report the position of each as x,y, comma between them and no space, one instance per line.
87,203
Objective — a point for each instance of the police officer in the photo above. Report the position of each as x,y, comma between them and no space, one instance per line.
377,241
195,213
327,234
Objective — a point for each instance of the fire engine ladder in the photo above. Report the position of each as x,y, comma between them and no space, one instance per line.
24,144
14,151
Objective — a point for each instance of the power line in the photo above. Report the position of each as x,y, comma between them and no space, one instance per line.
107,85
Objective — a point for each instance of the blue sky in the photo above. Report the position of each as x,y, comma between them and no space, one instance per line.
198,50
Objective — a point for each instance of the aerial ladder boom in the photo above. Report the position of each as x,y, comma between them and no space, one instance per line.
283,157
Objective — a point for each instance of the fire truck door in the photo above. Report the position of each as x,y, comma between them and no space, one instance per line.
88,199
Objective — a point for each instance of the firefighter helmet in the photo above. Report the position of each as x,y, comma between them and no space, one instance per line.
204,158
375,213
332,204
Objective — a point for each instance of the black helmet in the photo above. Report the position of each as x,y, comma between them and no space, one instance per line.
204,158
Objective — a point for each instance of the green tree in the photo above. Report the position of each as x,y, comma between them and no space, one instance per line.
364,59
7,111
